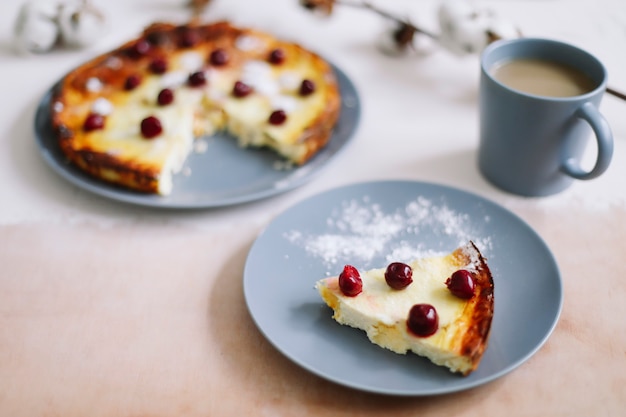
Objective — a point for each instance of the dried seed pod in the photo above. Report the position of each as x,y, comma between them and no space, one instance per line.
397,38
323,7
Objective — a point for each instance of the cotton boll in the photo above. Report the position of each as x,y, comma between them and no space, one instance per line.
466,29
81,25
35,28
463,28
465,38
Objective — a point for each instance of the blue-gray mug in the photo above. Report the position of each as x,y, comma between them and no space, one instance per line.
532,144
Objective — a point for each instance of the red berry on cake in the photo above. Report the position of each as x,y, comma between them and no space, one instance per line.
423,320
307,88
398,275
277,56
219,57
241,89
278,117
132,82
461,284
151,127
188,38
350,282
94,121
158,66
197,79
165,97
139,49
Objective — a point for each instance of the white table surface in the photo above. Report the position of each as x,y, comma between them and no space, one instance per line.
93,293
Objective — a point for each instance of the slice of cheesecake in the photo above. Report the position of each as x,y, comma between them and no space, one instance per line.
454,298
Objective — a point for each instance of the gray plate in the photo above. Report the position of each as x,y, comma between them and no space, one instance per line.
221,176
286,260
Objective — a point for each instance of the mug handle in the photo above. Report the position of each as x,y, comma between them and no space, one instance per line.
604,138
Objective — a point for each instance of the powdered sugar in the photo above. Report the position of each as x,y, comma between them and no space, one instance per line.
360,232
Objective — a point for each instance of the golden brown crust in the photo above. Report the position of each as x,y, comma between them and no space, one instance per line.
478,313
71,97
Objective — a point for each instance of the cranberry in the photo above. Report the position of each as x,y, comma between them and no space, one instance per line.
165,97
151,127
350,282
277,56
93,121
158,66
219,57
132,82
423,320
241,89
461,284
197,79
139,49
278,117
188,38
307,87
398,275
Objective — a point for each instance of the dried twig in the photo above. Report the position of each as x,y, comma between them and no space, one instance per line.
616,93
405,31
404,24
403,34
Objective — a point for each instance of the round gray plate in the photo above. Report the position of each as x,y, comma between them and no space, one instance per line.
283,266
221,176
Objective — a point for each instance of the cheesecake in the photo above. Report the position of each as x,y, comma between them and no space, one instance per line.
438,307
131,116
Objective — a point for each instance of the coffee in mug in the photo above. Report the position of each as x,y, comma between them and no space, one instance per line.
542,77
